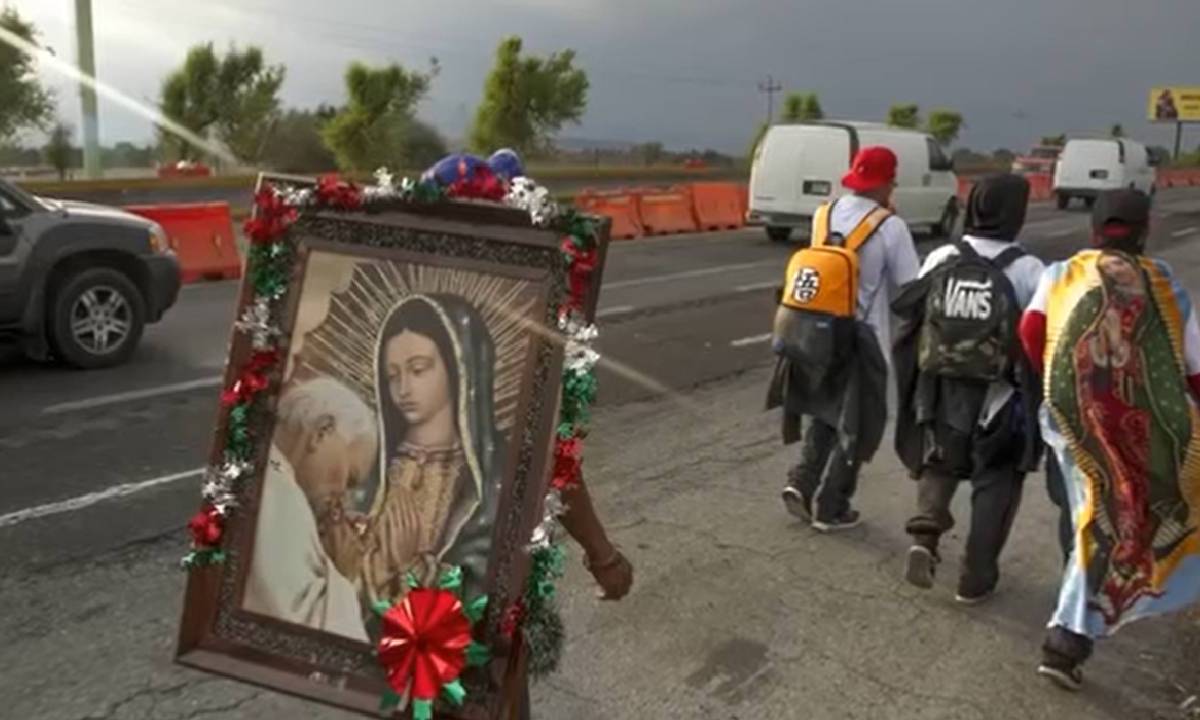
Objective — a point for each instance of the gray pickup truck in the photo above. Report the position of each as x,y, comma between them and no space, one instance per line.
79,282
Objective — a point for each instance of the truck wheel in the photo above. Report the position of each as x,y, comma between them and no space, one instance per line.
96,318
944,228
1063,200
779,234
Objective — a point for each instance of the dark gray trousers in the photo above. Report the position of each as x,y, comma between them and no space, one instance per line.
995,499
1056,488
824,476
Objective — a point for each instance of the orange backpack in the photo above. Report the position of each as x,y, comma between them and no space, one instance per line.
815,322
823,277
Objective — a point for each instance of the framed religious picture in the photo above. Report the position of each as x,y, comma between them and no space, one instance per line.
409,363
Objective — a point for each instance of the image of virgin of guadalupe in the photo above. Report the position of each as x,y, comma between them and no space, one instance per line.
440,463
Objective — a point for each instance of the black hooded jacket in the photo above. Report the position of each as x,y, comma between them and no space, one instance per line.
937,418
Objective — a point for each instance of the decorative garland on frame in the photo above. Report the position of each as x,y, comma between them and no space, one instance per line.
269,269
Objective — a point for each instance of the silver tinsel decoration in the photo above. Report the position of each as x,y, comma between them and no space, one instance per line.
256,322
549,530
580,356
525,194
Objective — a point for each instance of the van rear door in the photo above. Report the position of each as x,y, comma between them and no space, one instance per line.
1090,165
798,168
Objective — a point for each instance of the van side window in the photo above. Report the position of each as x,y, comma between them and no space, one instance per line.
937,159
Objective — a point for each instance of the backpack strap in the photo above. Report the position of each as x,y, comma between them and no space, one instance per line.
965,249
866,228
1009,256
820,224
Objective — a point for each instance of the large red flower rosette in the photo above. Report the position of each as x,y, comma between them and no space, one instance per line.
425,644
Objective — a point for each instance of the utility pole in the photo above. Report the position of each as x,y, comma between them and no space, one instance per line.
770,87
87,92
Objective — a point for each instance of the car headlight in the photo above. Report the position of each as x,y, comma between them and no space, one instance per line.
159,242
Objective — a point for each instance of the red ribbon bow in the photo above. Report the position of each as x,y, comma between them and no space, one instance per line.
253,379
336,193
206,527
424,642
579,274
568,460
482,184
271,217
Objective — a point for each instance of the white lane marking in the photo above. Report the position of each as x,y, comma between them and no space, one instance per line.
83,501
618,310
752,340
1185,231
757,286
103,400
1062,233
692,274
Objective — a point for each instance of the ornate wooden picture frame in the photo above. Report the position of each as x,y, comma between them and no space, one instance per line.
419,315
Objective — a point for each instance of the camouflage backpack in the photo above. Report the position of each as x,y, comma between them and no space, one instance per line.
971,317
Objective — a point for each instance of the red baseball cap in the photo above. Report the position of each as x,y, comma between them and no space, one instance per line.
873,168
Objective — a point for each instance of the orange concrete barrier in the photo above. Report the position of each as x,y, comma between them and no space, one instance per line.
621,207
1041,187
202,237
667,211
718,206
964,187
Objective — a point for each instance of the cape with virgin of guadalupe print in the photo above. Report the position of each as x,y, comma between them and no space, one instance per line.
1129,439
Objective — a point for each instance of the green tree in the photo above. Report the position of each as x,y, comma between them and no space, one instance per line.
904,115
1004,156
651,153
58,150
23,101
802,107
1117,131
1054,140
944,125
295,144
526,100
378,125
234,99
757,139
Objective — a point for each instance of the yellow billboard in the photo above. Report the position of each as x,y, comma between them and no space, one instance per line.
1175,104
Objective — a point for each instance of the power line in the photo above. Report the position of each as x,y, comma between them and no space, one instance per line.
770,87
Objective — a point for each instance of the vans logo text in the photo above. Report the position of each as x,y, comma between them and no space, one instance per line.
807,285
968,299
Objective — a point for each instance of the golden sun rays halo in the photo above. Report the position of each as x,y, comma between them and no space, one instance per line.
343,345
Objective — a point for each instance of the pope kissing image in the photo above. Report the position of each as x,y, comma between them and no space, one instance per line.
391,436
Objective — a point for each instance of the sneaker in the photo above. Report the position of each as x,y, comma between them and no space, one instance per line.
797,504
1067,676
921,566
846,521
963,598
974,593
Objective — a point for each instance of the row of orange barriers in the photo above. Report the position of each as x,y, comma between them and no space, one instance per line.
201,234
1041,187
695,207
1178,177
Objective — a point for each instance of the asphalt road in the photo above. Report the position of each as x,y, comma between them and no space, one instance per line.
98,480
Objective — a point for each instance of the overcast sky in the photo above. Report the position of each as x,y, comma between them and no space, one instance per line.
685,71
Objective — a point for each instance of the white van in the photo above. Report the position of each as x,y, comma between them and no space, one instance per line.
1087,167
799,166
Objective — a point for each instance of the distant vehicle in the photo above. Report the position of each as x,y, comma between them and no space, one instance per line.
797,167
1088,167
79,282
1040,159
